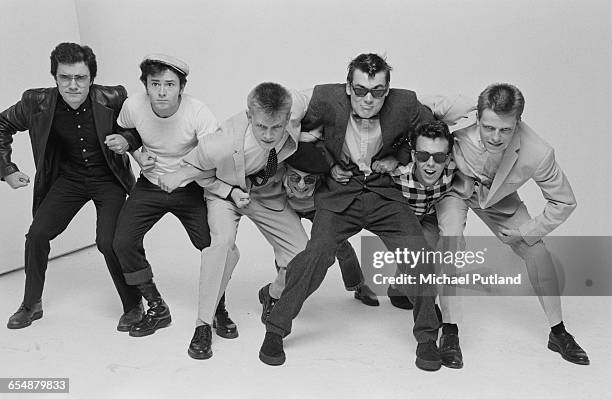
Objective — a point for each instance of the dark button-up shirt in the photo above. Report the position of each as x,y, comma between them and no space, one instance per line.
74,130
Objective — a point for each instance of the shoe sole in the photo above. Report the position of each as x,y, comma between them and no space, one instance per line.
124,329
35,316
161,324
555,348
428,365
198,355
271,360
223,334
452,365
128,327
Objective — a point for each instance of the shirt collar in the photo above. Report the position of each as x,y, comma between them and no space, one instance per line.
64,105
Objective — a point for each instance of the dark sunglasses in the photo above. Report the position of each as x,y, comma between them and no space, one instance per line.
362,91
308,179
423,156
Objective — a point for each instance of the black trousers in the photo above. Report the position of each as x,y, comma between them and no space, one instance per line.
352,276
398,228
64,200
145,206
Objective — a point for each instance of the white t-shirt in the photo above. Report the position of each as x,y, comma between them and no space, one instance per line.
171,138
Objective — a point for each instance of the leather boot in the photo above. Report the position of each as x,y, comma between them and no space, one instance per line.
158,314
24,316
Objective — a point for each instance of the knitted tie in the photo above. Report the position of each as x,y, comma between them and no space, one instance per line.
266,173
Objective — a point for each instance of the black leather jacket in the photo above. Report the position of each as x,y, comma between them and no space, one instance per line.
35,113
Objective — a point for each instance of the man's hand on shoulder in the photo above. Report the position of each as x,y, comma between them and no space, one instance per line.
17,179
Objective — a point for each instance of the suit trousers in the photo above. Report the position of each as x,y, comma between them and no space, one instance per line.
352,276
65,198
452,216
145,206
282,229
396,225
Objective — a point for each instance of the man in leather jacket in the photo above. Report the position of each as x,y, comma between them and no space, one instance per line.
68,126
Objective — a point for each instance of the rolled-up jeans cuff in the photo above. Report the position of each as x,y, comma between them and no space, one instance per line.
138,277
276,330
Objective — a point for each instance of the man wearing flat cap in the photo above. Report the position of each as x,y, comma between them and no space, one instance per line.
304,171
68,126
170,124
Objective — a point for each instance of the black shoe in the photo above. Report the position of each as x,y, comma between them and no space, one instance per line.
398,299
366,295
23,317
158,316
223,325
131,317
428,357
271,352
199,347
565,344
267,302
450,351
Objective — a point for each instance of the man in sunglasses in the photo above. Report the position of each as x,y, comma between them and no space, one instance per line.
424,182
69,125
241,165
304,172
499,153
363,122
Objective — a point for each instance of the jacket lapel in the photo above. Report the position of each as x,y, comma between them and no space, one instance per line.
339,132
239,129
508,161
385,120
44,121
103,119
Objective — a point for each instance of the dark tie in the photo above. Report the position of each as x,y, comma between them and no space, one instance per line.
266,173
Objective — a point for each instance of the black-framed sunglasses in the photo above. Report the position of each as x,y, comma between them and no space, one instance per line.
308,179
423,156
362,91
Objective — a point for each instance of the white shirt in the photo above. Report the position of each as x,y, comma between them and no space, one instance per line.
171,138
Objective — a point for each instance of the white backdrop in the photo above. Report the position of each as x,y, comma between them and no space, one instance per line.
557,53
29,31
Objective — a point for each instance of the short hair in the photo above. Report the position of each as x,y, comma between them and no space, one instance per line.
501,98
151,67
271,98
432,130
71,53
369,63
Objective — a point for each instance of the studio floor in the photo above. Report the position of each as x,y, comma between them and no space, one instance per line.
338,348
